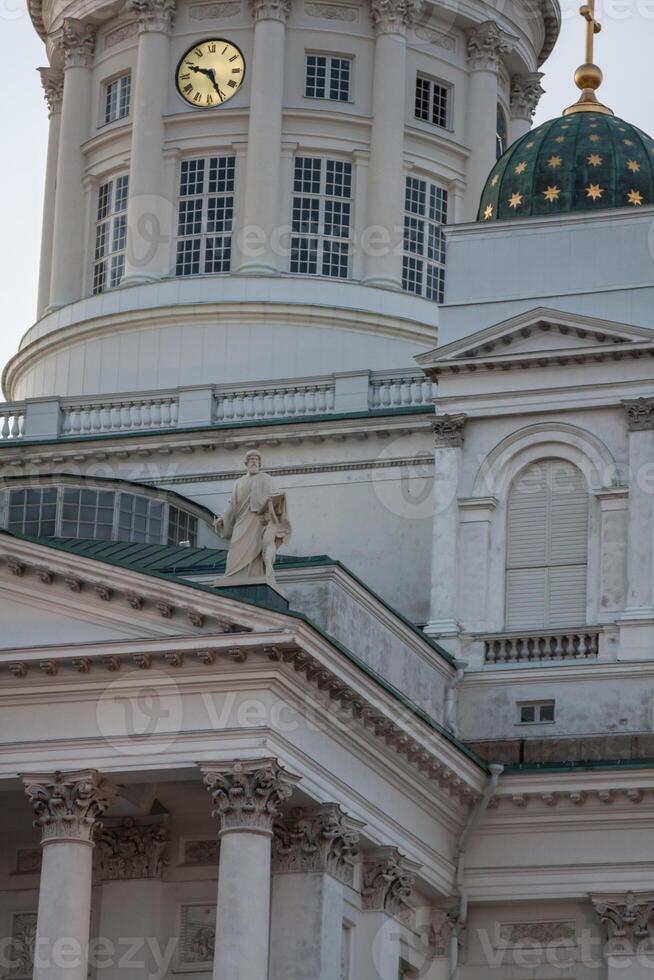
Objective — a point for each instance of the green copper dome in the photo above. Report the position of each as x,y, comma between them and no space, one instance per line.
587,161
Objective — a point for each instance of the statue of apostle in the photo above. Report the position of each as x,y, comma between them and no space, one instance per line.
255,523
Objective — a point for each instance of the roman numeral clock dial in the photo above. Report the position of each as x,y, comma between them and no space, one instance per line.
210,73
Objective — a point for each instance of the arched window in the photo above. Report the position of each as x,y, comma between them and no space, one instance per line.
501,133
547,547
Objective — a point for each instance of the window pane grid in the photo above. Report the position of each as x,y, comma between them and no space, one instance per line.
205,216
321,217
431,102
110,235
423,264
182,526
117,98
33,512
327,77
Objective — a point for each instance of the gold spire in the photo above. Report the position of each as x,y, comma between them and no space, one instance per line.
588,77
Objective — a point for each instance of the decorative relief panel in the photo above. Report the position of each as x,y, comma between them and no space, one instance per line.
28,861
120,34
214,11
332,11
23,940
440,40
545,933
201,852
197,937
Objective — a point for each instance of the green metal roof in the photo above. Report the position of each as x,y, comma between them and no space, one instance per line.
584,162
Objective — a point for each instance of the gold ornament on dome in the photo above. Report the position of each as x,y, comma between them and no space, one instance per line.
515,200
594,191
635,197
594,160
488,212
633,165
554,161
552,194
588,77
522,166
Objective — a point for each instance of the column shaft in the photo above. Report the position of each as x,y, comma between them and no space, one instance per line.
149,210
640,557
52,80
385,212
67,282
243,907
64,911
262,179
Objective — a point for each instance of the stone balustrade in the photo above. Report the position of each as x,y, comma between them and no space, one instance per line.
12,421
534,647
333,394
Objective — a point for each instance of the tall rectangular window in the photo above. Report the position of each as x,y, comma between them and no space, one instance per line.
33,512
423,262
110,234
432,101
139,519
322,212
327,77
205,216
182,527
117,95
87,514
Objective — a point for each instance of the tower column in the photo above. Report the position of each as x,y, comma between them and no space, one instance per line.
526,91
382,238
66,284
247,797
66,808
261,216
486,45
448,430
52,80
149,208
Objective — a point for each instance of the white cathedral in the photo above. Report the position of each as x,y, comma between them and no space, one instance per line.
320,238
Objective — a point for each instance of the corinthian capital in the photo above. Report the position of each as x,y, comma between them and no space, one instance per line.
153,15
394,16
248,795
52,80
627,918
78,42
68,804
131,850
486,45
270,10
449,431
388,880
526,91
319,838
640,414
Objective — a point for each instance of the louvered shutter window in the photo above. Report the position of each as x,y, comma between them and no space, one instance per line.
547,547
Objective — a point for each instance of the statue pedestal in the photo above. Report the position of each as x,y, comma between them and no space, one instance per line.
245,581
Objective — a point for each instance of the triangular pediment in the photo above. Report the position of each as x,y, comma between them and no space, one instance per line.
52,598
540,335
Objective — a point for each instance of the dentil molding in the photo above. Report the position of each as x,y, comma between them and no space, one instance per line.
68,805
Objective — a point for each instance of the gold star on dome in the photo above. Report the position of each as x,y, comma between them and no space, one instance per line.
628,142
515,200
594,160
495,180
633,166
529,146
554,161
622,129
488,212
635,197
560,139
594,138
552,194
594,191
522,166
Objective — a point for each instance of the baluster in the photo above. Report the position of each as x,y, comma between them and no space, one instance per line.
134,415
301,401
238,407
330,398
173,412
218,408
248,405
153,414
259,404
125,418
405,391
310,400
15,427
164,409
386,394
229,407
96,417
427,391
65,422
268,403
416,392
374,399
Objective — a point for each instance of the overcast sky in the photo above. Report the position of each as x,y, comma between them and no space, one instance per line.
623,51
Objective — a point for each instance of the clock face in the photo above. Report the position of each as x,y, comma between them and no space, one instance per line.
210,73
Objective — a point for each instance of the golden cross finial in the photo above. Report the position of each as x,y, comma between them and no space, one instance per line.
593,27
588,77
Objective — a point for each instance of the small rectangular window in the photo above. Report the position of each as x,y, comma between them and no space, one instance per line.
423,262
87,514
205,216
110,234
182,527
432,101
139,519
117,95
33,512
328,77
536,712
321,217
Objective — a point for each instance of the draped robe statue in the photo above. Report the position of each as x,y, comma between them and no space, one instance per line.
255,523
